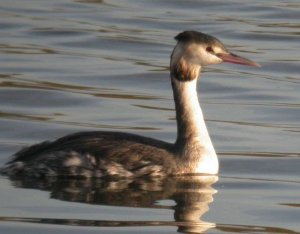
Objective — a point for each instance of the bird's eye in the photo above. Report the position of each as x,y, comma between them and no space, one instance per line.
210,49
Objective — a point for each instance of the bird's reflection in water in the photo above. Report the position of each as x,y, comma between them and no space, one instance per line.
191,194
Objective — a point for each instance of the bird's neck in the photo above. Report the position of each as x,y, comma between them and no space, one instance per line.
193,143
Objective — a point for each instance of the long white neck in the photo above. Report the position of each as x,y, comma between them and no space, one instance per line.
193,143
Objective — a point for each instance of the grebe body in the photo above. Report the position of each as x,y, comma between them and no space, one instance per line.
116,154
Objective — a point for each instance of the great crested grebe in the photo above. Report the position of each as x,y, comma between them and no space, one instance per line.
116,154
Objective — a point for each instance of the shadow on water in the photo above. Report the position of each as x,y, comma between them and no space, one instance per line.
191,194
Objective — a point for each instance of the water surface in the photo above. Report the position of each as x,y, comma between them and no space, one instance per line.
68,66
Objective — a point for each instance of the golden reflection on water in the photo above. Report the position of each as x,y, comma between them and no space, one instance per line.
191,195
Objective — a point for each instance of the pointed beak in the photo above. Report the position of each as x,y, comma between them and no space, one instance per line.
233,58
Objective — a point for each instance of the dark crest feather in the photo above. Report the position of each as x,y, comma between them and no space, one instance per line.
198,37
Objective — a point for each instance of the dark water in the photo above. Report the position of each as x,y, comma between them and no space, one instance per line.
68,66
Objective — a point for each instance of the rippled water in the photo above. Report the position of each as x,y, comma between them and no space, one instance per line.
68,66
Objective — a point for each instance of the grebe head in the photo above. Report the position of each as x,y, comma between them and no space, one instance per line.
195,50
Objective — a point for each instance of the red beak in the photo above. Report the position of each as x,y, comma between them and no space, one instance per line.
233,58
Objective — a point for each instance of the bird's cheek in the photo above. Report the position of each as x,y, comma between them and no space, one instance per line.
211,59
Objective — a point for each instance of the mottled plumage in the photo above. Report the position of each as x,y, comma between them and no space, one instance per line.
95,154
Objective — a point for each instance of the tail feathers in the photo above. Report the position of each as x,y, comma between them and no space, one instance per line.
11,169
